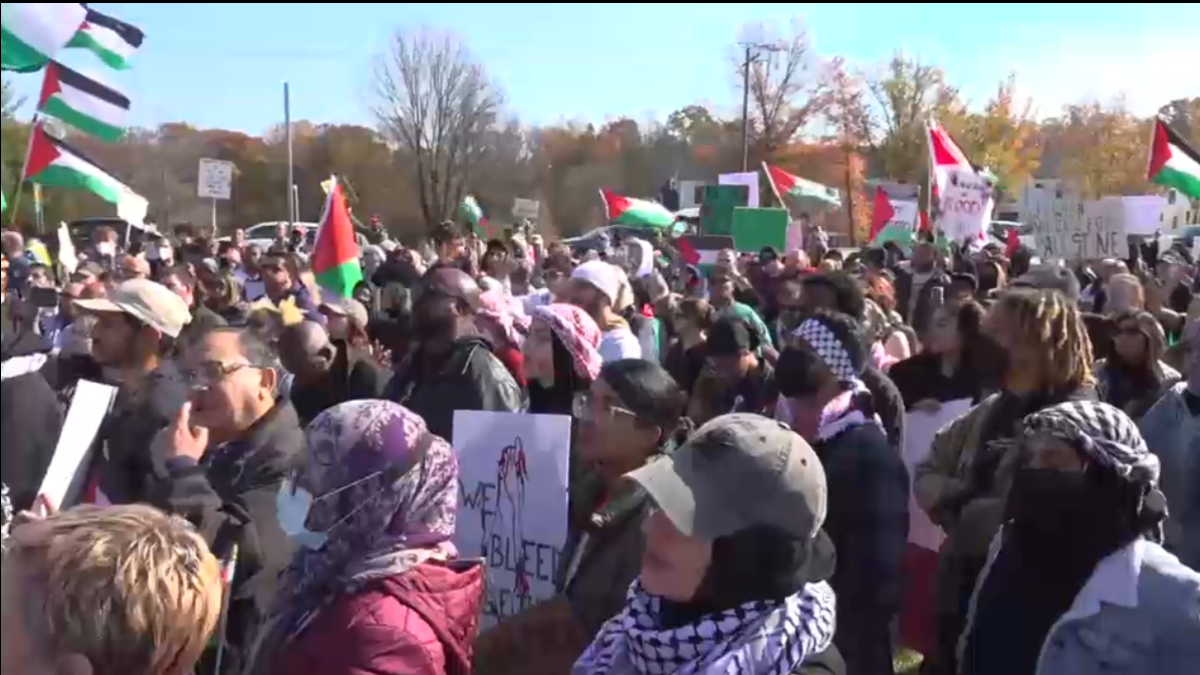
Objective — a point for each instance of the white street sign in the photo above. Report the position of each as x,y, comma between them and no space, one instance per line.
215,179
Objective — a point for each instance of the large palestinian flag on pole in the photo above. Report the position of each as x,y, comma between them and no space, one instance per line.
109,38
32,33
54,163
635,212
84,103
1173,163
335,256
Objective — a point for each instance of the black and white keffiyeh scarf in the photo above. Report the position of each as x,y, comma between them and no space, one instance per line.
756,638
839,414
1102,432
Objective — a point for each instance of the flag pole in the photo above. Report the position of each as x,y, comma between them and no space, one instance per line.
16,206
291,175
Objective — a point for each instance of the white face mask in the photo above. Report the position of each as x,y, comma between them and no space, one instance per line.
106,248
292,505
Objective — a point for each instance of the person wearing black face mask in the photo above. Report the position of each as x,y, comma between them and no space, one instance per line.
1077,581
452,367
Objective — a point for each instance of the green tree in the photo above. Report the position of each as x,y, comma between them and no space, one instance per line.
906,94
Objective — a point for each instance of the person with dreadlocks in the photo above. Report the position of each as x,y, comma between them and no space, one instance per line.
1076,582
963,482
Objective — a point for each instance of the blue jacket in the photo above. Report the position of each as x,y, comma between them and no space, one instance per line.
1172,433
1139,614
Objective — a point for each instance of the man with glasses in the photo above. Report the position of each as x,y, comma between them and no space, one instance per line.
220,464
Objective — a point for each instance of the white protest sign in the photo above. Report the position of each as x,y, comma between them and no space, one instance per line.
794,239
65,478
691,193
919,430
1143,213
749,179
966,205
1067,227
512,511
525,208
215,179
904,215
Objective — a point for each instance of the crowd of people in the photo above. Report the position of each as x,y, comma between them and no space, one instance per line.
275,489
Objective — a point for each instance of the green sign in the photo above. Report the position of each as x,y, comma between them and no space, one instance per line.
756,229
716,213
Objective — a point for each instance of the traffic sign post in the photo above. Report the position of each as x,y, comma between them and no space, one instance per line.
214,181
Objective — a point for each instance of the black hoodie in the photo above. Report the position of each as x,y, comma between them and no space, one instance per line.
30,417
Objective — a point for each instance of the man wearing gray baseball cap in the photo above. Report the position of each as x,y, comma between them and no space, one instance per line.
735,565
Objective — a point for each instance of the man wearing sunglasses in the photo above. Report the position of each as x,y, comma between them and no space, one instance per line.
452,367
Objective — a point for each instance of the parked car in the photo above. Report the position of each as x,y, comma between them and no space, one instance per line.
81,231
263,234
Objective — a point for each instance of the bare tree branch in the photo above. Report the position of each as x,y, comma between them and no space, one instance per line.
436,104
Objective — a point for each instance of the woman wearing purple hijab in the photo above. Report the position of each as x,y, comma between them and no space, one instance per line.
375,585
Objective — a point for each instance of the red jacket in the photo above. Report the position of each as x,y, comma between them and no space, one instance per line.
423,622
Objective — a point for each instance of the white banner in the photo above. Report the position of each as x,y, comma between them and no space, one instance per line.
64,483
525,208
919,430
512,511
966,205
749,179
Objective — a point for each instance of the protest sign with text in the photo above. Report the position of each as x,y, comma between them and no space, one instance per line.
1067,227
512,508
966,205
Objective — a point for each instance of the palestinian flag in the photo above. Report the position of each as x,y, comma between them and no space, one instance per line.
52,162
111,39
32,33
470,209
335,255
84,103
1173,163
893,220
635,212
701,250
784,184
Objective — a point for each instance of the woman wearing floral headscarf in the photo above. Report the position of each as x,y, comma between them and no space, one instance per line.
374,586
1076,582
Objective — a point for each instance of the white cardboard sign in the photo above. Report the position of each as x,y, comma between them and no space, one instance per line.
512,511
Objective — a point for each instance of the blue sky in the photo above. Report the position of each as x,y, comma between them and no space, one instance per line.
223,64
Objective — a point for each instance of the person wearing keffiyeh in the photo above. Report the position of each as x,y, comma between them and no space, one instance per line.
375,585
1076,581
824,398
743,493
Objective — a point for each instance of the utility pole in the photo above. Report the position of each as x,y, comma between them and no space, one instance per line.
746,110
754,50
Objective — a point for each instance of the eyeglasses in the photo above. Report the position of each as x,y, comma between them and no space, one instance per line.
212,372
585,407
